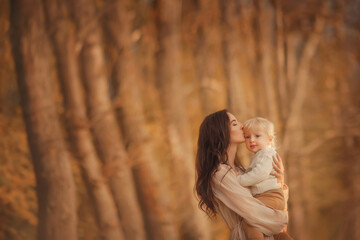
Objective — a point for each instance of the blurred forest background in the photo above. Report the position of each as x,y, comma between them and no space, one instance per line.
101,101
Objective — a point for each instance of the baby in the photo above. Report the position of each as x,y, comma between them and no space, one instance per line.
260,139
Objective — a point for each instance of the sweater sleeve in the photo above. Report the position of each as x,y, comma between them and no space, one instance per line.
261,170
239,199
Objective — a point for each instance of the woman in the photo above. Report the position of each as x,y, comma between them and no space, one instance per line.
216,185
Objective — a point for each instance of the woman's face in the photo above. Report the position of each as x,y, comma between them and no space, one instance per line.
236,130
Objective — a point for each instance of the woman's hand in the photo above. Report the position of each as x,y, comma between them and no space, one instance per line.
279,169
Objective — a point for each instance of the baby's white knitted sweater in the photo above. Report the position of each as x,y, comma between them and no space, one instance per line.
257,175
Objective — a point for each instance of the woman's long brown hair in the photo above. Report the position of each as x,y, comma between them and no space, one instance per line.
214,139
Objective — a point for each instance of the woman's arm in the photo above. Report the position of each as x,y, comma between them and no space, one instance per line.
239,199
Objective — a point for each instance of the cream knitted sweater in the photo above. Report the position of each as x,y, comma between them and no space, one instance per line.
257,176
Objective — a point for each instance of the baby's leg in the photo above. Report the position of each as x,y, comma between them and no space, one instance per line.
251,232
283,236
273,199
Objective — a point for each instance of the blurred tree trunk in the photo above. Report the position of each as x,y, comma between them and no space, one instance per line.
348,122
350,117
266,38
234,67
55,184
177,125
347,111
63,37
354,207
292,130
209,66
103,121
248,14
160,221
249,52
281,62
299,91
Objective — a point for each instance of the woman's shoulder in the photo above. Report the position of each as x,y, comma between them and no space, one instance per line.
223,170
223,166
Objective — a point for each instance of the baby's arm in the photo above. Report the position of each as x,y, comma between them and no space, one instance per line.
261,170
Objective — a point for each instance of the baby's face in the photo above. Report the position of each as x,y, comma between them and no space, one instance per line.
256,140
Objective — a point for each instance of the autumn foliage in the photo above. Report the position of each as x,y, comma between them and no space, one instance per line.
101,101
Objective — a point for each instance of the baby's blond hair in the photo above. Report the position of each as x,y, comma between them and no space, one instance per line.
263,125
